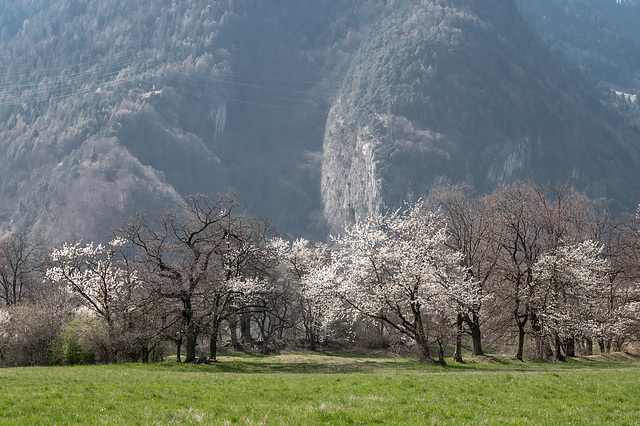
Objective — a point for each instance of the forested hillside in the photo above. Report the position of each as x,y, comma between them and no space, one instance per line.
624,14
112,107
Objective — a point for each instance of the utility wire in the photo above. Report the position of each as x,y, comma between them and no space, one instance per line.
131,70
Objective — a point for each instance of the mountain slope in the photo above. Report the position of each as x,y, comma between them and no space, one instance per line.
443,92
311,110
151,100
86,136
624,14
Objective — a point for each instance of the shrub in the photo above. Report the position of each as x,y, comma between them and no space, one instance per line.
82,340
67,350
26,334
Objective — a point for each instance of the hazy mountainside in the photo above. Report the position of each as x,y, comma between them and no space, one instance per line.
87,138
624,14
309,109
110,107
590,36
441,92
597,46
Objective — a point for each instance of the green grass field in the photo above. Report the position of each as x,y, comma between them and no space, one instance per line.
330,388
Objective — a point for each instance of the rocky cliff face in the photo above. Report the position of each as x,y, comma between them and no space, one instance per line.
442,92
350,151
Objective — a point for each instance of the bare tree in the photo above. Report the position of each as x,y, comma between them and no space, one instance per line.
246,281
19,261
520,233
202,259
622,296
470,232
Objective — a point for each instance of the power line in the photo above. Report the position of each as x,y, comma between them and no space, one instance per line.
133,69
241,101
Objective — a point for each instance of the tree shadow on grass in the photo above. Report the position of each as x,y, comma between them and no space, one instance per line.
316,363
354,362
298,368
364,353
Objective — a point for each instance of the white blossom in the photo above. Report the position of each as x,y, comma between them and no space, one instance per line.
569,281
94,273
395,267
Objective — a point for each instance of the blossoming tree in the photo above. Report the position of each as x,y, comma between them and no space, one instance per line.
396,268
305,262
100,275
570,280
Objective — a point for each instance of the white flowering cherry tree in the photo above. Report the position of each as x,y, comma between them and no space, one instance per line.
396,268
100,275
305,263
570,280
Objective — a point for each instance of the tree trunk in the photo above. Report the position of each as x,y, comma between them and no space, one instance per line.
618,344
441,360
571,347
543,347
588,347
521,334
178,349
476,340
457,354
601,346
310,331
423,344
191,330
233,332
421,335
311,339
192,340
557,348
473,322
145,354
213,341
245,329
425,352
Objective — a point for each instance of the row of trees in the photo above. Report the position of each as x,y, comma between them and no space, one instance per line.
560,269
174,278
565,267
551,275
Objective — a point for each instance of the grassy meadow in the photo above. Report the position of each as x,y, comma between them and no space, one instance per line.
326,388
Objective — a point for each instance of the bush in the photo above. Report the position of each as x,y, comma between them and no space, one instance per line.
67,349
84,339
26,334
